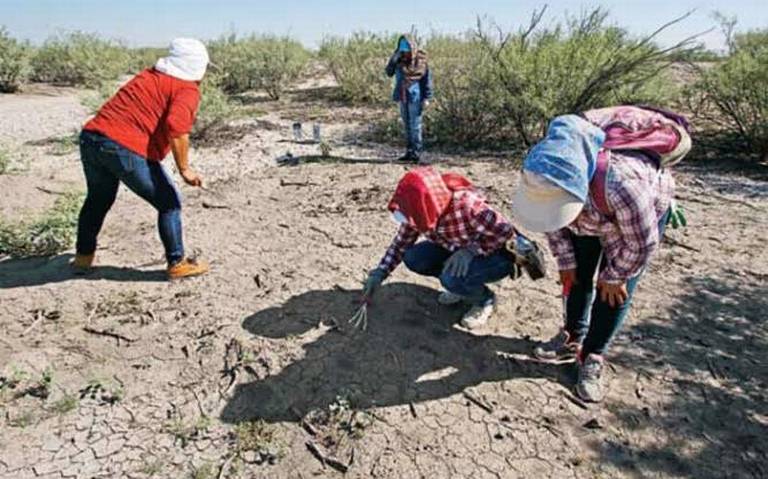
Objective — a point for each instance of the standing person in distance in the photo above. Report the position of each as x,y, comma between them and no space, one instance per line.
413,92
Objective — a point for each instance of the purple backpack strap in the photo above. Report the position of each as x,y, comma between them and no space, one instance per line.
597,185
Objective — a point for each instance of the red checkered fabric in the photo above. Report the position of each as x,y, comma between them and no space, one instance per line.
467,222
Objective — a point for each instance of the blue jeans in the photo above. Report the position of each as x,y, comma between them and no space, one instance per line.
590,320
411,114
106,164
427,259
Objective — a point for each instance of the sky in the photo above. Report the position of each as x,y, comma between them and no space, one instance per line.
156,22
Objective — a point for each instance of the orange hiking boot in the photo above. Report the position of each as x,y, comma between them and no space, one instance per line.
187,268
82,263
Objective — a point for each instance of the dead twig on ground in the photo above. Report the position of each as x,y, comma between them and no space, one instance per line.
734,200
326,459
50,192
713,370
38,319
119,337
673,242
284,182
322,232
578,402
694,199
224,466
479,403
304,423
214,206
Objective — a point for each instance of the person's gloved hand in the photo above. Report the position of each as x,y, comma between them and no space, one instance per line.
676,216
458,264
375,278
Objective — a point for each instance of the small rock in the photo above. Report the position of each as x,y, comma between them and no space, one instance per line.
593,424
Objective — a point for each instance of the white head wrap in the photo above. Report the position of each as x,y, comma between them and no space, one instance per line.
187,60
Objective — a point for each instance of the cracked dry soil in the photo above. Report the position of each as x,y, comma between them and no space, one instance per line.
234,374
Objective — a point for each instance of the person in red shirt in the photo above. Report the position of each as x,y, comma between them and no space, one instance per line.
126,142
465,241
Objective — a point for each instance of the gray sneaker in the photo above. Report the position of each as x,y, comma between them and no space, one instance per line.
590,386
559,348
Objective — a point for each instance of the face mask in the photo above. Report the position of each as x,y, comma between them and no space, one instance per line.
399,218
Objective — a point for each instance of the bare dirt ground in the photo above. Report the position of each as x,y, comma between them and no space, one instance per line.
232,375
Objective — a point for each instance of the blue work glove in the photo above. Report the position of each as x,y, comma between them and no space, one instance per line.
458,264
373,282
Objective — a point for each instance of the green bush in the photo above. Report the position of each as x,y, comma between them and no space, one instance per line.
143,58
357,63
14,62
268,63
79,59
733,94
215,109
469,95
573,66
53,232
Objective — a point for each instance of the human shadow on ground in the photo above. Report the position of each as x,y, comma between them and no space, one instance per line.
411,352
716,342
18,273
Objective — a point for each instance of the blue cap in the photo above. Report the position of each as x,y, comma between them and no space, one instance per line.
567,155
404,45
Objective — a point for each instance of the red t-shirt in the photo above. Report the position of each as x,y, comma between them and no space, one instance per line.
147,112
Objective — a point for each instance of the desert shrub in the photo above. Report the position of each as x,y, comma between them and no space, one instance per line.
51,233
357,63
733,94
268,63
216,108
142,58
79,59
573,66
469,96
14,62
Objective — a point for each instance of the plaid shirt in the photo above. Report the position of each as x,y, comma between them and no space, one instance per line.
638,195
468,222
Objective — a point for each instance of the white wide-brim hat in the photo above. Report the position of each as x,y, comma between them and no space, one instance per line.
541,206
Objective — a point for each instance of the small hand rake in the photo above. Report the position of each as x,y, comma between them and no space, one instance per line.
360,319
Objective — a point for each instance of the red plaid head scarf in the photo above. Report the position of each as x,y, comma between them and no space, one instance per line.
423,194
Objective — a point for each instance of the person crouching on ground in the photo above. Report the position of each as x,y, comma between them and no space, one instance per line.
557,196
465,241
128,139
413,90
